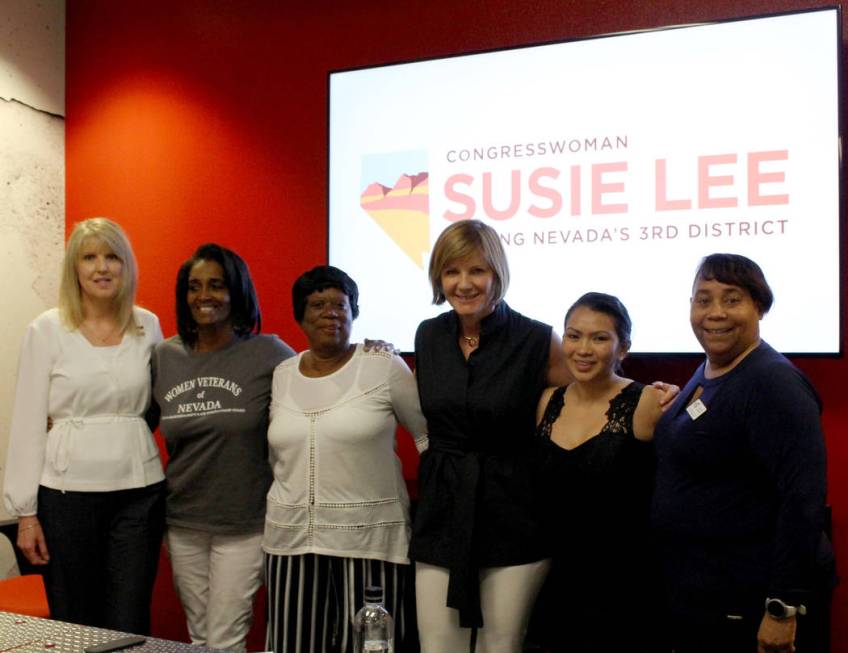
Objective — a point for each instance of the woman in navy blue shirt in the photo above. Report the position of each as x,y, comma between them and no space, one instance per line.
740,490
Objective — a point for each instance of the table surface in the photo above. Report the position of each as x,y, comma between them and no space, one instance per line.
23,634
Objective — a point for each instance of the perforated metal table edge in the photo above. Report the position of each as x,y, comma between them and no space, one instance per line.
24,634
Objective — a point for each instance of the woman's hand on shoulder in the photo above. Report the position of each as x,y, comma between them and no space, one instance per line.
557,373
31,540
648,412
668,393
380,346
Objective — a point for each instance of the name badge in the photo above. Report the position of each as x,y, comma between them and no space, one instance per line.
696,409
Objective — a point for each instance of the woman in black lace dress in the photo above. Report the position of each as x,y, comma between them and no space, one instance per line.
602,593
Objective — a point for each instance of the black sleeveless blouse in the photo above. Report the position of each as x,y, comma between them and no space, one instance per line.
478,493
597,507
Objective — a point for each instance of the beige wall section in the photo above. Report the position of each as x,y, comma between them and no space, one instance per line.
32,53
32,177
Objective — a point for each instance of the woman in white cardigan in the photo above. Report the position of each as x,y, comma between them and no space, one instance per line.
338,510
83,473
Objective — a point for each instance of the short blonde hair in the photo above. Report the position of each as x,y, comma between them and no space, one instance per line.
70,297
460,240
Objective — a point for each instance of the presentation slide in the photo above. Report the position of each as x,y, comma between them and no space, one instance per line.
611,164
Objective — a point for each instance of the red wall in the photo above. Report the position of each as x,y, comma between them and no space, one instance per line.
198,120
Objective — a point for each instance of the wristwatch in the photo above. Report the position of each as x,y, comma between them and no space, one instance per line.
780,610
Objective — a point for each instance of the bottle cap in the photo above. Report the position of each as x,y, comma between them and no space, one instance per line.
373,594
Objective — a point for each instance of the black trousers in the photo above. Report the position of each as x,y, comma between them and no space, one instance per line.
104,552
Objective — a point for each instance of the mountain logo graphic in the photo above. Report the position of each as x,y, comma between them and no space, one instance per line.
402,211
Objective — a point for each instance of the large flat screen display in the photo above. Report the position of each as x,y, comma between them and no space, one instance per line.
611,164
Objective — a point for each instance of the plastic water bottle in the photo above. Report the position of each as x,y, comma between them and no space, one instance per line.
373,626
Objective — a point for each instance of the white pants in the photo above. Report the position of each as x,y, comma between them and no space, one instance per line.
216,577
507,595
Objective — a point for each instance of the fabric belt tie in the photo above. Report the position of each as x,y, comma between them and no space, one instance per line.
464,580
64,429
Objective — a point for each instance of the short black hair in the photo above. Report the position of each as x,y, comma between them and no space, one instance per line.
320,278
245,315
740,271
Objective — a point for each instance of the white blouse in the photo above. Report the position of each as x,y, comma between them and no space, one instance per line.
338,487
97,398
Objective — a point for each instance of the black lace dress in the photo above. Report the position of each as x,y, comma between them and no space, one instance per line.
603,591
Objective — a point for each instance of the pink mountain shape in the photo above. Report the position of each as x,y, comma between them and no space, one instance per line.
402,212
375,190
410,181
410,193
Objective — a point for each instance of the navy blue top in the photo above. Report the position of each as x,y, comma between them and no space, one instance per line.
740,491
477,494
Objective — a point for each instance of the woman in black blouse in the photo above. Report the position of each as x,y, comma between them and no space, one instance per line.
481,368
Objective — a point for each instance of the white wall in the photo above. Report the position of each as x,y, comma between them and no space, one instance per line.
32,177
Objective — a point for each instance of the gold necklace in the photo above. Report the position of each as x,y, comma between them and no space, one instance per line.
472,341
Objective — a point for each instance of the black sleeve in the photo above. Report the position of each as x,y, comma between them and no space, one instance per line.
153,411
784,429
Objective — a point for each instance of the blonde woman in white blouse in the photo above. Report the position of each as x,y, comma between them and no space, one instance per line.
89,493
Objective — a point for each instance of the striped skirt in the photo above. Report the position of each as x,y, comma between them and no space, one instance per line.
313,598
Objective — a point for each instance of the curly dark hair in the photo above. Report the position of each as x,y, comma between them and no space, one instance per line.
320,278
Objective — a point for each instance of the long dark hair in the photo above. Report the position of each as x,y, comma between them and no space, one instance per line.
245,315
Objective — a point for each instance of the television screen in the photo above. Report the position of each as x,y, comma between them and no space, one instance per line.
611,164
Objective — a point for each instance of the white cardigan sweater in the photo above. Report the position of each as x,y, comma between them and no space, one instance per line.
338,488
